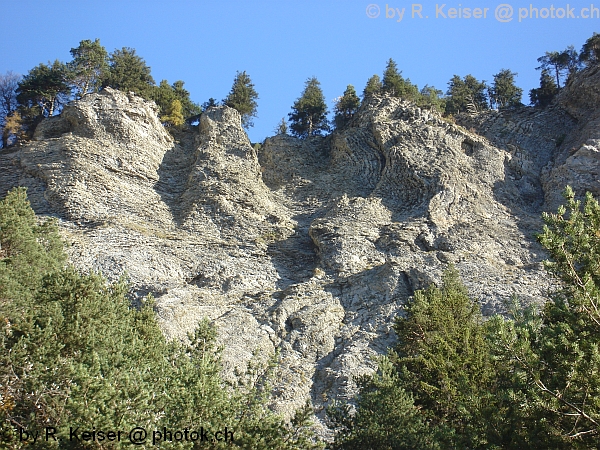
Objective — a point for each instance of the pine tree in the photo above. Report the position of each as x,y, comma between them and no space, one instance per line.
504,93
392,79
552,61
550,359
573,63
309,113
432,98
440,374
346,107
89,64
564,64
243,98
211,103
443,360
544,95
28,250
189,108
74,353
466,95
566,367
174,116
529,381
164,95
385,418
395,85
128,72
282,128
374,86
45,88
590,52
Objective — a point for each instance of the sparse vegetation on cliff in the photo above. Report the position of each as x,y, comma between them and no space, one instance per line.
47,87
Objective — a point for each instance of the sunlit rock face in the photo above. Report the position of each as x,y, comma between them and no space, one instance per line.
308,247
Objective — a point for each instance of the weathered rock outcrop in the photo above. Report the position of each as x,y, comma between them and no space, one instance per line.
578,160
308,247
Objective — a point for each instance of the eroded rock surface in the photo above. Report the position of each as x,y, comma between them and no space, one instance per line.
308,247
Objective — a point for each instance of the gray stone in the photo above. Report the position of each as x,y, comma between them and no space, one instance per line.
310,247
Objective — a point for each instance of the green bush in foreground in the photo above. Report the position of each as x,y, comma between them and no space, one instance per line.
566,363
529,381
440,377
75,354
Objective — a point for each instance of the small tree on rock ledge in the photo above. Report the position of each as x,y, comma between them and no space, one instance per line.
282,127
174,115
346,106
309,113
243,98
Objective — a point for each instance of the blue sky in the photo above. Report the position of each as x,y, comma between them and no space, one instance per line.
280,44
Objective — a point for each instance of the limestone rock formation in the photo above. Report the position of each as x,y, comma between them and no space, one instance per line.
309,247
578,160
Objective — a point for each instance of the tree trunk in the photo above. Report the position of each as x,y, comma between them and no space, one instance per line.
5,135
86,86
51,108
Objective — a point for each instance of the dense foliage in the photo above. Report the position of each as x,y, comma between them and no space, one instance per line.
441,371
44,88
432,98
128,72
74,353
529,381
373,86
544,95
590,52
88,67
25,101
504,93
165,96
242,98
466,95
174,116
567,357
396,85
346,106
309,113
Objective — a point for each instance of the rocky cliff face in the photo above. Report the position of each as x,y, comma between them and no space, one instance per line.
308,247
